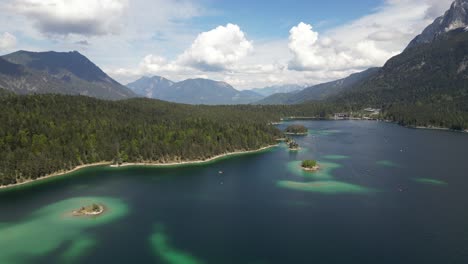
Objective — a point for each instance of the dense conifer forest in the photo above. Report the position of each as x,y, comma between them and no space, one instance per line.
44,134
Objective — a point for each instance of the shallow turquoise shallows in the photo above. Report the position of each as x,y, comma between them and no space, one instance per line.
383,194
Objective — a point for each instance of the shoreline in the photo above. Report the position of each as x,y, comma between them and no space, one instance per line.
154,164
57,174
191,162
378,120
296,134
314,169
81,213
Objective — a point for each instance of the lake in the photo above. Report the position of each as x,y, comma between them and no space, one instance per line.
384,194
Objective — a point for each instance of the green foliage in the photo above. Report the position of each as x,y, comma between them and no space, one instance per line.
43,134
309,164
95,207
293,145
296,129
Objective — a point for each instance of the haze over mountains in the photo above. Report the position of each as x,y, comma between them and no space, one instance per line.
192,91
287,88
320,91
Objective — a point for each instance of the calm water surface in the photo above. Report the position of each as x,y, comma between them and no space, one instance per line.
385,194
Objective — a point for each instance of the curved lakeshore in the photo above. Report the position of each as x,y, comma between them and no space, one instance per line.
192,162
152,164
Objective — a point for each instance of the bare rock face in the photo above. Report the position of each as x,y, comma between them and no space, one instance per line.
456,17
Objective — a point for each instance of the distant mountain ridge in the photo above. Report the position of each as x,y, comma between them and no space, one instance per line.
433,73
320,91
192,91
287,88
151,87
71,73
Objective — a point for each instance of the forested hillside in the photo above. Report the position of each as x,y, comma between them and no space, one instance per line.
435,73
42,134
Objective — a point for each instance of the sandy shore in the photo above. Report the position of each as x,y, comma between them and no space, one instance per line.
104,163
57,174
157,164
81,212
316,168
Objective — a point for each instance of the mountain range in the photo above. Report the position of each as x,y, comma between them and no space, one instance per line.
318,92
433,68
287,88
192,91
456,17
25,72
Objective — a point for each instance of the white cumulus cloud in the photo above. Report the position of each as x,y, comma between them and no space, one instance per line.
63,17
311,53
7,41
217,49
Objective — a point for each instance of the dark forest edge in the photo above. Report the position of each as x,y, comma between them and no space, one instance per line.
44,134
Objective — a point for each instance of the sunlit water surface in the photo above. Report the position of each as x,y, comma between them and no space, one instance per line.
384,194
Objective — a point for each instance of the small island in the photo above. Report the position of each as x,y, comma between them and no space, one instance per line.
297,130
310,165
293,145
90,210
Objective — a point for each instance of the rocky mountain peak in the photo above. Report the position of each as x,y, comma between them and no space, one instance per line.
456,17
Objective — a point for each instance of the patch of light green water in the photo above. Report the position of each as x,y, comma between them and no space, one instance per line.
162,248
321,181
325,187
387,163
335,157
78,248
53,226
430,181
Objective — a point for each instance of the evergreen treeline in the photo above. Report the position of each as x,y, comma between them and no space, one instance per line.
43,134
426,115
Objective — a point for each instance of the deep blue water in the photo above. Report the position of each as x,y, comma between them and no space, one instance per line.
412,205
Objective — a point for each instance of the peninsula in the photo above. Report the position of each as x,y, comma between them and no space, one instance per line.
297,130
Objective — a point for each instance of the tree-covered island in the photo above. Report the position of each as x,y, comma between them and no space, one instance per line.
310,165
296,130
293,145
90,210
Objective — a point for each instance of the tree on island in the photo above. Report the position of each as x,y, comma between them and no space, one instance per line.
96,208
309,164
293,145
296,130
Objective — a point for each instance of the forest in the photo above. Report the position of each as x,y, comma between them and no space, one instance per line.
44,134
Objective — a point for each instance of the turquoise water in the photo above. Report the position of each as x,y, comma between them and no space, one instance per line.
384,194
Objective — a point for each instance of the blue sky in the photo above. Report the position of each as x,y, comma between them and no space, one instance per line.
273,19
245,43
